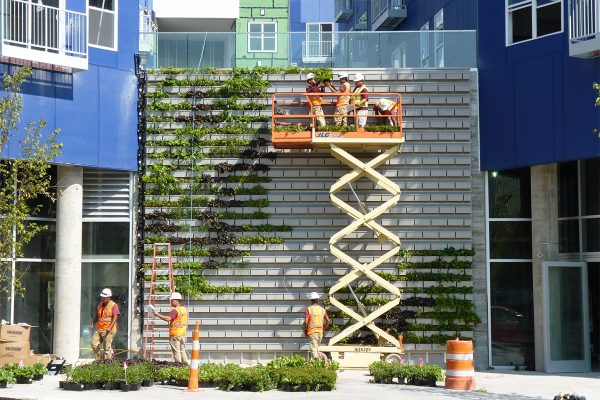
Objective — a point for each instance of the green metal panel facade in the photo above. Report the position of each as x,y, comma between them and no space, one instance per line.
262,11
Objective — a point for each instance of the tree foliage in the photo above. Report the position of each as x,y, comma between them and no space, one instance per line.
24,180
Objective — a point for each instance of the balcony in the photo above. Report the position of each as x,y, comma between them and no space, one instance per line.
386,15
317,51
343,10
44,34
584,28
147,25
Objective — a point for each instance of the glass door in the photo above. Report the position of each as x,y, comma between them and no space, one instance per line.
566,317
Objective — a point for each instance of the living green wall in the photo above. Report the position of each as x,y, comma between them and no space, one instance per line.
250,11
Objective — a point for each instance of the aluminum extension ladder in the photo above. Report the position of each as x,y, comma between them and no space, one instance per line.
153,295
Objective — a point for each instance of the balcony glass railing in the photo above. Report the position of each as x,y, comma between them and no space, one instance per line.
52,31
399,49
343,10
378,7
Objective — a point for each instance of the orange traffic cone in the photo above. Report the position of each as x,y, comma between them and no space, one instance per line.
193,382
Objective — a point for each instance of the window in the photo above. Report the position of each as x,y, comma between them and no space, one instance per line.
424,40
103,23
262,37
319,39
438,38
399,56
530,19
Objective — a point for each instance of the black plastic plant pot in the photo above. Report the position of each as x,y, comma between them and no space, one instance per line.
3,384
90,386
130,387
38,377
147,383
24,381
74,387
182,383
61,384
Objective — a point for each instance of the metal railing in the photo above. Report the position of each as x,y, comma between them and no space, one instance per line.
352,49
44,28
343,9
584,19
378,7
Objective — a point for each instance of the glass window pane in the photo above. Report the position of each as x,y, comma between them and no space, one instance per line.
269,28
591,234
511,303
105,4
590,187
269,43
94,278
510,240
255,44
312,28
106,240
43,245
102,28
36,307
549,19
569,236
510,193
568,205
521,24
47,207
256,28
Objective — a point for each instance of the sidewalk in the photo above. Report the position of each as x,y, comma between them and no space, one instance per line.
352,385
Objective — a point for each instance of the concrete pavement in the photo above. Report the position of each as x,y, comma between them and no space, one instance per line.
352,385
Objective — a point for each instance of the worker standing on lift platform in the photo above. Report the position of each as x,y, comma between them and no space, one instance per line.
362,101
387,108
341,106
315,101
316,322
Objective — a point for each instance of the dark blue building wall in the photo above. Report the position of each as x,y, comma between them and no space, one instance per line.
94,109
458,14
536,102
303,11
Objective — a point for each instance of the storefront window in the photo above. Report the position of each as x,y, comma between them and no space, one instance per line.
105,240
511,304
591,234
569,236
568,203
510,193
43,245
35,304
94,278
510,239
590,187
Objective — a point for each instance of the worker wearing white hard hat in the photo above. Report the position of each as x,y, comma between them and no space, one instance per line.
388,108
104,325
361,99
341,106
315,102
178,320
316,322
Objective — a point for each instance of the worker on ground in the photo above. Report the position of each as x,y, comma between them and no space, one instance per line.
178,320
316,322
361,102
315,101
387,108
341,107
107,314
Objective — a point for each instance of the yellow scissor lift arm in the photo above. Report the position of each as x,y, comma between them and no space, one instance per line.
339,144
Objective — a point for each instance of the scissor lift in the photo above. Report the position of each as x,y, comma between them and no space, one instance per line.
294,126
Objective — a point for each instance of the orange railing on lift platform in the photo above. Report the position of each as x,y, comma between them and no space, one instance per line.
297,125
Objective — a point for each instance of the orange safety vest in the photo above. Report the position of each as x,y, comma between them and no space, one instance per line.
178,326
314,323
344,100
316,100
105,316
358,100
392,104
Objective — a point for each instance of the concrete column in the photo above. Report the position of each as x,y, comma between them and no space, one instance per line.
544,243
68,262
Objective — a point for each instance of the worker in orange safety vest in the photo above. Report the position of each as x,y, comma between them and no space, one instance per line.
178,321
315,101
105,320
387,108
341,106
316,322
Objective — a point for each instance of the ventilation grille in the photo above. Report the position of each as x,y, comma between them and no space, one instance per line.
105,194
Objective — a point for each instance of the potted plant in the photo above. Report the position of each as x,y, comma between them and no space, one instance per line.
133,379
40,370
24,375
112,376
6,377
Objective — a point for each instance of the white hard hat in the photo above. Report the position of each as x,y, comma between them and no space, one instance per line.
314,296
106,293
310,76
175,296
343,74
358,77
384,104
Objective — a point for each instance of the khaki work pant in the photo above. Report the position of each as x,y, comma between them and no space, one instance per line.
102,348
318,111
178,348
315,341
341,116
362,118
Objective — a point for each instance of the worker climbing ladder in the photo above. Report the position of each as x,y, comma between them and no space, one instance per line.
154,294
295,129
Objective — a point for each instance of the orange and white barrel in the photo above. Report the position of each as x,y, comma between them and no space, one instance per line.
460,368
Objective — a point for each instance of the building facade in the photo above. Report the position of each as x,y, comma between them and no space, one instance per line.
83,83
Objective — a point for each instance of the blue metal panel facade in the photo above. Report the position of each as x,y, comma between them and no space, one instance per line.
536,102
303,11
94,109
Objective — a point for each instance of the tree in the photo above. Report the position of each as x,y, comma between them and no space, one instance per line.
23,180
